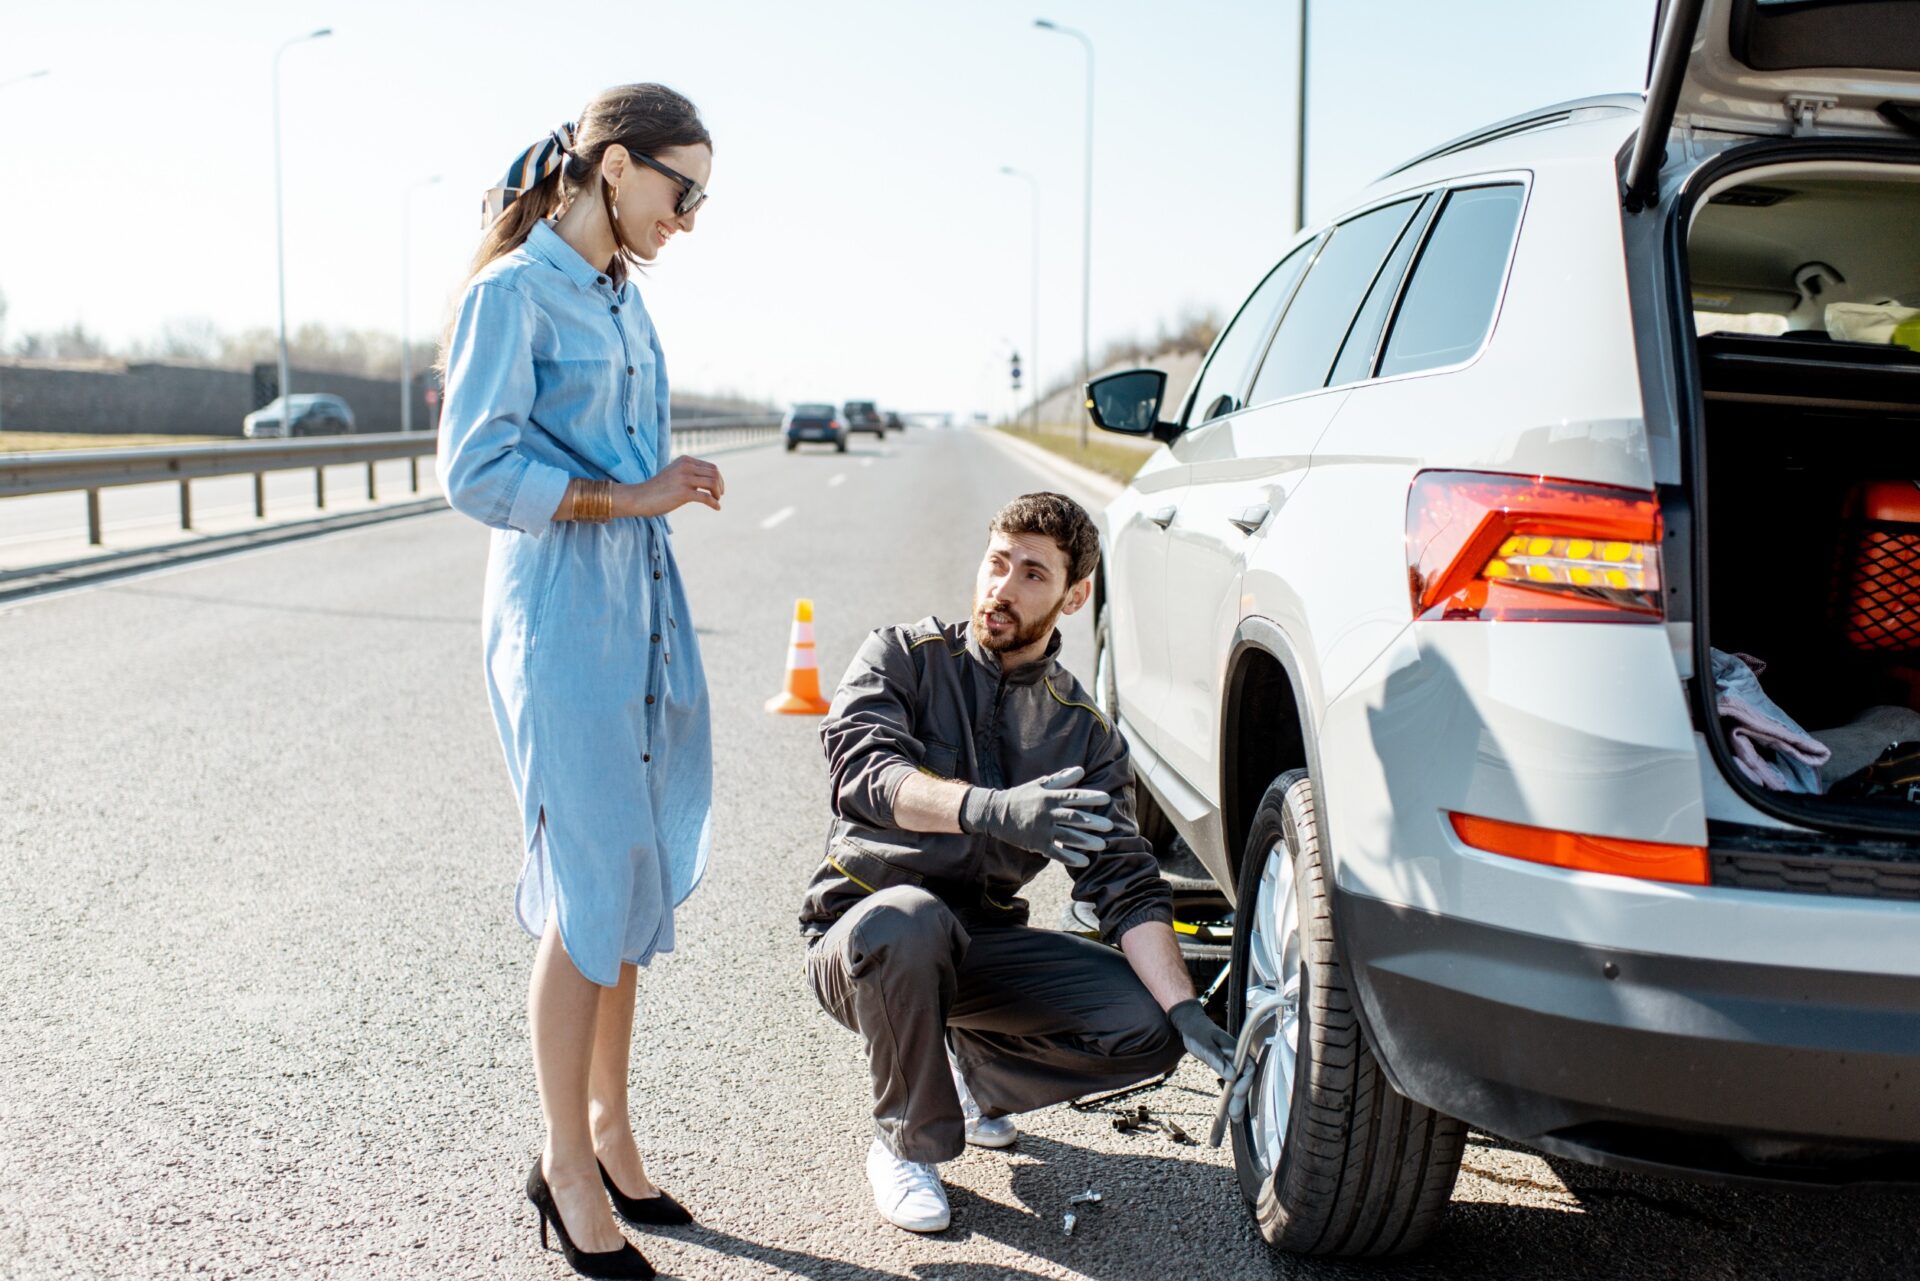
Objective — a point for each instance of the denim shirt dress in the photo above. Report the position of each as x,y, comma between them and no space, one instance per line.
592,666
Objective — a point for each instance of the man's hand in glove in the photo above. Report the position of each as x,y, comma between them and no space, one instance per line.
1209,1042
1049,816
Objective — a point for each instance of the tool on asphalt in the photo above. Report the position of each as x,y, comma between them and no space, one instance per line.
1083,1198
801,694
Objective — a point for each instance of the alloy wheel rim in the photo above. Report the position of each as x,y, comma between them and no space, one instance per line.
1276,974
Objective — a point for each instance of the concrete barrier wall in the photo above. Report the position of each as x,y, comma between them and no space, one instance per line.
108,397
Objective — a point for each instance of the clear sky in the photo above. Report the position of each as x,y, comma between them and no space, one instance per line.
860,240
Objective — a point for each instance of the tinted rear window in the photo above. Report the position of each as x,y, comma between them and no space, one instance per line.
1450,300
813,411
1311,332
1785,35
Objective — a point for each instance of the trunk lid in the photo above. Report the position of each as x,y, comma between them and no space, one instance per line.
1777,68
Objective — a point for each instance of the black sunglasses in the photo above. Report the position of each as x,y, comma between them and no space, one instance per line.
692,194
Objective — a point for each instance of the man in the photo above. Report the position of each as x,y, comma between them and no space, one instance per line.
962,758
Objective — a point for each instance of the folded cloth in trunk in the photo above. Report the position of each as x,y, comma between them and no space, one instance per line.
1860,742
1768,747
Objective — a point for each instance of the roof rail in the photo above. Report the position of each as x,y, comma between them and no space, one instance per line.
1538,118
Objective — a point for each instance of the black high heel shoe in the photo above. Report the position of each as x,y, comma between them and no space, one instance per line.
624,1263
645,1212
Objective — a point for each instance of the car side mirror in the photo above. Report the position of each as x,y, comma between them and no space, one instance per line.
1129,403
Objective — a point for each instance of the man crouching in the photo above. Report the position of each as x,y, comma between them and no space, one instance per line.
962,757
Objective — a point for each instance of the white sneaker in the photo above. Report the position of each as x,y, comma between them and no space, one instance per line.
908,1193
982,1131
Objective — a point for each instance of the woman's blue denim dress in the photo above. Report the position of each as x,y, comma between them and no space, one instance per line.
592,664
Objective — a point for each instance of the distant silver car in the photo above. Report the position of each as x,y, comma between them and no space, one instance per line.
314,414
1416,621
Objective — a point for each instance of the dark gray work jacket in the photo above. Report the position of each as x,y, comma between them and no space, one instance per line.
928,697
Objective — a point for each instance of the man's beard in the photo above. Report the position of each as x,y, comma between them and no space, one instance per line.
1023,633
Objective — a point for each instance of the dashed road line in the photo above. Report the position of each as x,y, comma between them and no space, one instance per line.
776,518
838,478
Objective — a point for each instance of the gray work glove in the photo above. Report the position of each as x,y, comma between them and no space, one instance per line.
1048,816
1210,1043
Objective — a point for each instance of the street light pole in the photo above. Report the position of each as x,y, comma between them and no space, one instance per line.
1033,346
279,230
406,303
1300,140
1086,233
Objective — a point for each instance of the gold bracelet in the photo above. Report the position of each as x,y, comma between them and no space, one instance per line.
593,503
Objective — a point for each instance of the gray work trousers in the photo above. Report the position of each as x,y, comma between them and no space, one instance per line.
1035,1017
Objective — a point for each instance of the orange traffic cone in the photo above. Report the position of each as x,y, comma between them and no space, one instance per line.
801,697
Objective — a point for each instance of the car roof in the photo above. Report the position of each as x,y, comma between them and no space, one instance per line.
1540,118
1584,131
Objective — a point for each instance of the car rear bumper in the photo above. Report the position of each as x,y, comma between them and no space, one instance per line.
1643,1061
812,433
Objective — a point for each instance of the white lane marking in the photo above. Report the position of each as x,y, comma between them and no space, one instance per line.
866,462
838,478
776,518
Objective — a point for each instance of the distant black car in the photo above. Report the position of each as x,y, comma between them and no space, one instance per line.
813,420
863,416
894,421
314,414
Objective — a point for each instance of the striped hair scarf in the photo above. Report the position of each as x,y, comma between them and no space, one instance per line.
529,168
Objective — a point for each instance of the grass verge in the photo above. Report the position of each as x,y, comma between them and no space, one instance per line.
1113,457
32,442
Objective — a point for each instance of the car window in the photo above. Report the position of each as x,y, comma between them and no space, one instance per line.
813,411
1226,373
1450,300
1311,332
1355,361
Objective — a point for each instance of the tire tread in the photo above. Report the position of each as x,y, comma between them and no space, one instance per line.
1366,1171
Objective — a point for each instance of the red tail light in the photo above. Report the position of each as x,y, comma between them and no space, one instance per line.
1526,549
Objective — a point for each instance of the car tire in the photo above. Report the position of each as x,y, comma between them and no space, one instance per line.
792,445
1332,1159
839,446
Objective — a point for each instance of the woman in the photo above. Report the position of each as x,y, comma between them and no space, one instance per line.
555,434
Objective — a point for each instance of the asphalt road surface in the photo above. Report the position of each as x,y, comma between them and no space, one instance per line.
262,999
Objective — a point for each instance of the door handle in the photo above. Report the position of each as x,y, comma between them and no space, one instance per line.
1164,517
1249,519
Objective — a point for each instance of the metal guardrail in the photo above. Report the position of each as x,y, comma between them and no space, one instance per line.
66,470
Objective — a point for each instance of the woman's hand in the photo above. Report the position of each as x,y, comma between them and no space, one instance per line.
682,481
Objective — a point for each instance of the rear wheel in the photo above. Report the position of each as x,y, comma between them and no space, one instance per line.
1332,1159
792,445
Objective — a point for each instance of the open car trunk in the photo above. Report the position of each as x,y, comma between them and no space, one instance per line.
1805,283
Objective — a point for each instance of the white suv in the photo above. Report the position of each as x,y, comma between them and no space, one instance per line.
1410,626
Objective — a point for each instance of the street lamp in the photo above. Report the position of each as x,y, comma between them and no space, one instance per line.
1033,347
1300,140
279,228
406,289
1086,233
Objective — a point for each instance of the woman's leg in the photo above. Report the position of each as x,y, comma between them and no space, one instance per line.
607,1109
562,1005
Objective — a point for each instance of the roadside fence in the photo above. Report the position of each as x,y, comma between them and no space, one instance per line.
92,470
